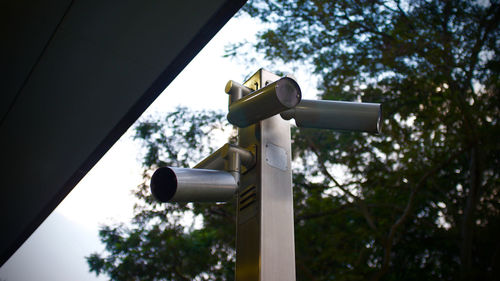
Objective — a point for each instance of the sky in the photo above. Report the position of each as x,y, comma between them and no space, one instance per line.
56,250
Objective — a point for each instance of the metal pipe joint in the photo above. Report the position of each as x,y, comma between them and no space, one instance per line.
230,158
224,156
236,91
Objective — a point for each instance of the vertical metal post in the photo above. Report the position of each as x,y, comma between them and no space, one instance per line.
265,247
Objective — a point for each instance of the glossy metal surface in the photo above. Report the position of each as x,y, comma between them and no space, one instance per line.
264,103
336,115
192,185
236,91
217,160
265,233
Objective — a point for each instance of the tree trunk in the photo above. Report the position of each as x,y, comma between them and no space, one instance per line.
468,223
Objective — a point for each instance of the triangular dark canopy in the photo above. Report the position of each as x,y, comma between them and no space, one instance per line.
74,76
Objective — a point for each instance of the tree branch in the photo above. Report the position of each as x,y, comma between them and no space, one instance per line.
405,16
406,214
475,174
321,214
221,213
486,27
366,28
361,204
179,273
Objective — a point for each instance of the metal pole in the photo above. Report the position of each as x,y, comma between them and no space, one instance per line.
265,247
258,169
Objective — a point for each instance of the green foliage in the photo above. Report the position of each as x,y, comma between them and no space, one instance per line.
158,245
156,253
414,202
418,202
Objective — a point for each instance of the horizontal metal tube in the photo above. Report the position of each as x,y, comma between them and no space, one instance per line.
192,185
336,115
266,102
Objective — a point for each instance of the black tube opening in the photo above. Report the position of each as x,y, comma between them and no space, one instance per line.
288,92
163,184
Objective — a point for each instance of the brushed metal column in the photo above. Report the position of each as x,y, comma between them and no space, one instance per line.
265,246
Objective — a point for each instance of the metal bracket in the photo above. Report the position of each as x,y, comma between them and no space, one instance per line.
248,166
231,158
216,161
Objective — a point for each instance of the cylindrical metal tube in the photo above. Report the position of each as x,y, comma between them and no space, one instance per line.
236,91
192,185
336,115
246,157
268,101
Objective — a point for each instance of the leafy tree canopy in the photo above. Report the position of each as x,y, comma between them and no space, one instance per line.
418,202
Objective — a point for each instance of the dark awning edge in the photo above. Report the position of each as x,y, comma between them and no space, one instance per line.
214,24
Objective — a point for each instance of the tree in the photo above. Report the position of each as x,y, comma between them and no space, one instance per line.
157,246
435,67
419,201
